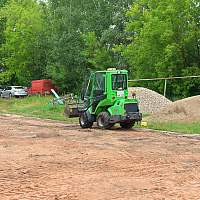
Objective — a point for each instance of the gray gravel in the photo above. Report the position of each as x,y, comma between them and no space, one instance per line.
150,101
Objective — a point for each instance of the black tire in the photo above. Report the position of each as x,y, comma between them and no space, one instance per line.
84,122
103,121
127,125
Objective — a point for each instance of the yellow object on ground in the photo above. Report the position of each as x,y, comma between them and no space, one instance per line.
144,124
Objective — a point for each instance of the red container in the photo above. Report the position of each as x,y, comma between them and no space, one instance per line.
41,87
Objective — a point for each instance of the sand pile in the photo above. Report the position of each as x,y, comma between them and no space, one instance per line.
150,101
182,110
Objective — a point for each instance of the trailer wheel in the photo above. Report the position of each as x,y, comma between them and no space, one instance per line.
103,121
127,125
84,122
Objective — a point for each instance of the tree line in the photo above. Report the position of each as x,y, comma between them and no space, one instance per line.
63,39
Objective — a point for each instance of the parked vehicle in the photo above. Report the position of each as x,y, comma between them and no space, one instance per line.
41,87
14,91
1,89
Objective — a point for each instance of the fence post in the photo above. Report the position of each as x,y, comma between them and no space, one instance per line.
165,88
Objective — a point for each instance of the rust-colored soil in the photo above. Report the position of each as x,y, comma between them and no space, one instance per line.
53,161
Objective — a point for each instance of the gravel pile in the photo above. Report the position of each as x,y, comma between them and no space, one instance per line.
183,110
150,101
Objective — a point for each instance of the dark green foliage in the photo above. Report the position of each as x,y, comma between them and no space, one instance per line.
23,48
2,28
61,39
165,42
80,37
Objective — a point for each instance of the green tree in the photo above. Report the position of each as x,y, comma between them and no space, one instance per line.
112,17
23,49
165,41
97,55
64,44
82,35
2,39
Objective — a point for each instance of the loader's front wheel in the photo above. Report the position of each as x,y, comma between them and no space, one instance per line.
103,121
84,121
127,125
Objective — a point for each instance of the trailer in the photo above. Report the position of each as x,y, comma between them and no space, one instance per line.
41,87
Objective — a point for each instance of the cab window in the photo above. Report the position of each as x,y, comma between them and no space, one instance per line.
119,82
99,85
99,82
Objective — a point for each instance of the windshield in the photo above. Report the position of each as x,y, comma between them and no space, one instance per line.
100,82
119,82
18,87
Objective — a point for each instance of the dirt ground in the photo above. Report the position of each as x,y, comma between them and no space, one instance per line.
184,110
42,159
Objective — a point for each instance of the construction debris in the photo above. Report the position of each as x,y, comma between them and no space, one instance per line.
150,101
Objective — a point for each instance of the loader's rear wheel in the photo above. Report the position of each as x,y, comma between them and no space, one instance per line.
103,121
84,122
127,125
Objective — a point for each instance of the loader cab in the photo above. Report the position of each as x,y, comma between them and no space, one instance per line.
111,84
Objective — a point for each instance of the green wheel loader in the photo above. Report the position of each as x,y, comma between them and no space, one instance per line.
104,100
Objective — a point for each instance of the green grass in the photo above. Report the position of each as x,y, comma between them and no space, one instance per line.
34,106
181,127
